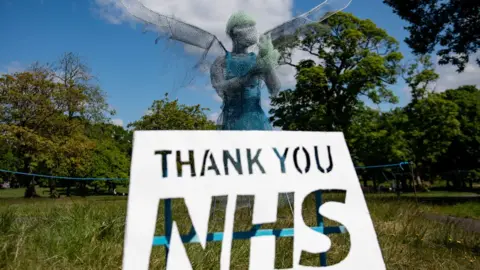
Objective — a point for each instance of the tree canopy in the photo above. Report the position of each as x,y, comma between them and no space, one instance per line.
356,59
165,114
450,27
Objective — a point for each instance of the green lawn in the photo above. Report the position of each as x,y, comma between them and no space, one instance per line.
463,210
18,192
441,194
88,234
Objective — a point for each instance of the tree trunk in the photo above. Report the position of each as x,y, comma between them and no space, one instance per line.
404,181
397,186
29,181
69,189
30,191
375,182
83,189
53,189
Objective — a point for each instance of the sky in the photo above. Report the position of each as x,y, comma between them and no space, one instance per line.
134,71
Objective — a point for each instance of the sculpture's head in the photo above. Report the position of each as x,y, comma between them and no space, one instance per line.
241,29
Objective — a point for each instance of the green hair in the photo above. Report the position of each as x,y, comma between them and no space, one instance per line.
239,18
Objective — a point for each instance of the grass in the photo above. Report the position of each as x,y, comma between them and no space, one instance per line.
88,234
441,194
18,192
463,210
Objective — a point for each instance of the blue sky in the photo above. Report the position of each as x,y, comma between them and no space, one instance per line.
129,66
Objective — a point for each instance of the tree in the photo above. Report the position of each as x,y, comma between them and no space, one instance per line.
357,59
28,118
170,115
420,77
453,26
432,122
43,119
432,125
464,152
112,154
81,101
81,97
375,137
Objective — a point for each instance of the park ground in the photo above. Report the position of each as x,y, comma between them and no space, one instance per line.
87,233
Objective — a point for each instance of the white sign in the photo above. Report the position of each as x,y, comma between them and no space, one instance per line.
259,163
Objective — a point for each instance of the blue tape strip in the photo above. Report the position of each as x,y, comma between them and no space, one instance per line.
218,236
125,179
64,177
383,166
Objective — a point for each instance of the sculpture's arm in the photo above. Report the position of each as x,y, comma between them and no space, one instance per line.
220,84
272,81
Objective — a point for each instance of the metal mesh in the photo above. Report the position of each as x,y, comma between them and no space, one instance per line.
176,29
316,14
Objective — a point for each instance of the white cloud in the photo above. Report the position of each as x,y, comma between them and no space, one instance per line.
287,73
12,67
450,79
214,116
117,122
148,112
217,98
212,16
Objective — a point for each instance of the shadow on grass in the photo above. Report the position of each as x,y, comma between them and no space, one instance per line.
434,200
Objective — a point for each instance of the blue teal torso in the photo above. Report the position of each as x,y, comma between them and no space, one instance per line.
241,109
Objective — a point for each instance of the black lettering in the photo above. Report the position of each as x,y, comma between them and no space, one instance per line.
281,158
254,160
330,167
237,164
213,164
164,154
191,162
295,160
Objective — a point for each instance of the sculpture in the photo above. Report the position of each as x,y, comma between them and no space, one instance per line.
237,75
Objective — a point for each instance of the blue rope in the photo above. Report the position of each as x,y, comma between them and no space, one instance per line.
125,179
384,166
64,177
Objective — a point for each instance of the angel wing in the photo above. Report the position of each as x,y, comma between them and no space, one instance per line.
175,29
316,14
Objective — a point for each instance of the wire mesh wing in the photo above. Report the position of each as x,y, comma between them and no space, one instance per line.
175,29
316,14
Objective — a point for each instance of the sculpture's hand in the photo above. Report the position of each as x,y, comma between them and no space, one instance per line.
265,45
268,56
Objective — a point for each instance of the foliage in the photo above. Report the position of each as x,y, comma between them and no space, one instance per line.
464,152
356,59
44,112
420,77
376,137
171,115
432,120
451,26
432,125
54,120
